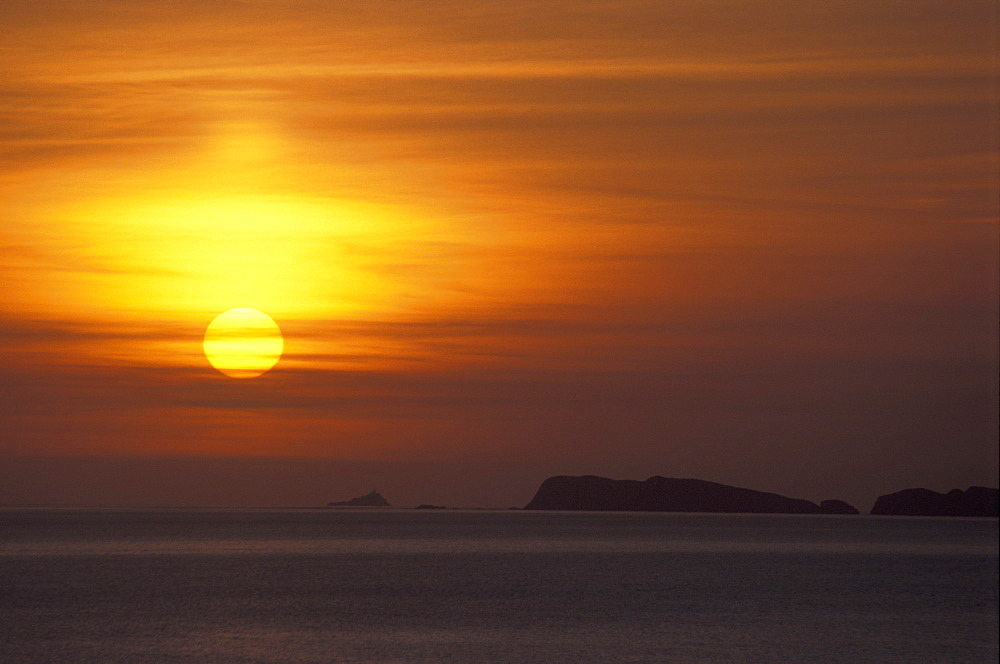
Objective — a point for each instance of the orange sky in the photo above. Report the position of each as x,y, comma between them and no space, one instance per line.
751,242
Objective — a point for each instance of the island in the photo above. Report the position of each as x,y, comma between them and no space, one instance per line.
665,494
978,501
373,499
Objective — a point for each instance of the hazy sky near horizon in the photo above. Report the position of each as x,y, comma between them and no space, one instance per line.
751,242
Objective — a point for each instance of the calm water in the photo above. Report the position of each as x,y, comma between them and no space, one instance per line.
215,585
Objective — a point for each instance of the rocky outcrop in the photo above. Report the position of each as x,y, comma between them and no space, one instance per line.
663,494
373,499
974,501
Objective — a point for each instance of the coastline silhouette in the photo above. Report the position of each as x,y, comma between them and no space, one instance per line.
663,494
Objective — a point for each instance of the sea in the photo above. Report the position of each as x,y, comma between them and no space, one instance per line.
469,586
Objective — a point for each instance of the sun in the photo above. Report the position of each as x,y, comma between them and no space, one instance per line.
243,343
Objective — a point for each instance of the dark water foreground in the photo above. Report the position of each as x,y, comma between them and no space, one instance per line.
452,586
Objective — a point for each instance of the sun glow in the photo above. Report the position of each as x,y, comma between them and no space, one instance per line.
243,343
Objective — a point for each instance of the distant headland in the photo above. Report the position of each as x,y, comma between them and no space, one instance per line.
664,494
974,501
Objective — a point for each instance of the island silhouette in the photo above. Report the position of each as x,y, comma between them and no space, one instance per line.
665,494
372,499
974,501
668,494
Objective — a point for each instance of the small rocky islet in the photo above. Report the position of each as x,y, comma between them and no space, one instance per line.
372,499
